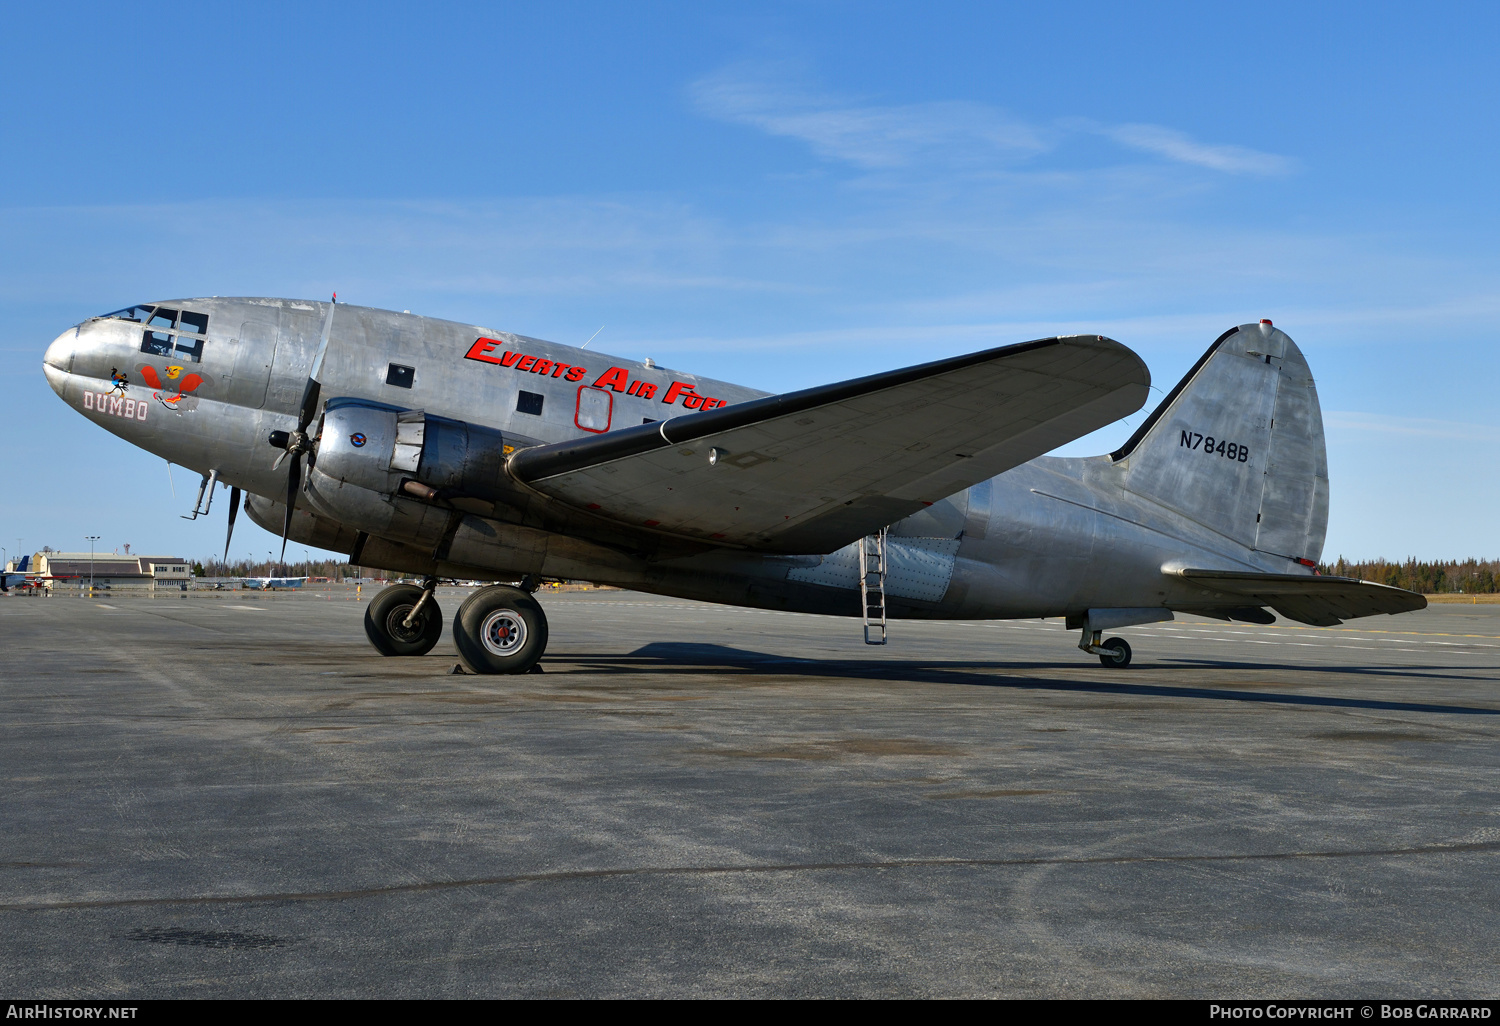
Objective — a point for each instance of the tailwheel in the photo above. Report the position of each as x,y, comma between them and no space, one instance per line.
1118,655
387,616
500,629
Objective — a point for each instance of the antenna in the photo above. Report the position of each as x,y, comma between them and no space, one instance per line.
592,337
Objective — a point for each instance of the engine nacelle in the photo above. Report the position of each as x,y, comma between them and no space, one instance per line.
386,471
380,448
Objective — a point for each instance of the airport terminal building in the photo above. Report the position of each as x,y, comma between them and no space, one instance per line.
71,571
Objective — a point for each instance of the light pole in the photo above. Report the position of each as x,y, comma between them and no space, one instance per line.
92,538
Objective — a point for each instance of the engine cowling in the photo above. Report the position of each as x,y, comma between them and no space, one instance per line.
380,448
376,463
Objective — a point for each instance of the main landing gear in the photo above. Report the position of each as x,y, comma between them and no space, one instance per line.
499,629
404,620
1114,653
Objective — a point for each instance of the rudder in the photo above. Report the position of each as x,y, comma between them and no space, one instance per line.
1238,446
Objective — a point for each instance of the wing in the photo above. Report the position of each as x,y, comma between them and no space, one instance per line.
1320,601
810,471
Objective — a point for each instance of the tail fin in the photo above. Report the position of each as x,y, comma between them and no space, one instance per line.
1238,446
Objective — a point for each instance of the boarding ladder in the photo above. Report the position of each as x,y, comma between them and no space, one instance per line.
872,586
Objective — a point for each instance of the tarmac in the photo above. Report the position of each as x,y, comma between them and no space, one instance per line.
234,795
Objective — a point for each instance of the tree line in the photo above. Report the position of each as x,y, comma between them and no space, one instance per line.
334,569
1460,577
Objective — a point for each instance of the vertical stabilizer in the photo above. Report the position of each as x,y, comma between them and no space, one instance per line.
1238,446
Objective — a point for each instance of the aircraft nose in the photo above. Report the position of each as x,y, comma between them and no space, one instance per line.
60,353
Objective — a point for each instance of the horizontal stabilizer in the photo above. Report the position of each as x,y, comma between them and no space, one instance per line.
810,471
1319,601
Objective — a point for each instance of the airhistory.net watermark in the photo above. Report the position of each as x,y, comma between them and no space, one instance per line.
41,1010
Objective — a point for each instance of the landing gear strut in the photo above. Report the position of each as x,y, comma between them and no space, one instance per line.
404,620
500,629
1113,653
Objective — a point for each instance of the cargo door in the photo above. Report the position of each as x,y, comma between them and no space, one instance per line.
300,330
253,350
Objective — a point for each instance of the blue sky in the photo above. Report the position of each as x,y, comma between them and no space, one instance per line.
779,194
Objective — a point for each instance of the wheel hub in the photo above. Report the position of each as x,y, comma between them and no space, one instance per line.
395,624
503,632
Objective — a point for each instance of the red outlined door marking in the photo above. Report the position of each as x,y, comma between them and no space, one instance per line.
595,408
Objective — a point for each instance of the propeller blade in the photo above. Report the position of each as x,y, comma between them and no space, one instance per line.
293,482
234,510
309,405
296,444
310,392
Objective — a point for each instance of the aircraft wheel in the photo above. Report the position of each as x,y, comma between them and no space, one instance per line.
1119,656
465,604
385,622
500,629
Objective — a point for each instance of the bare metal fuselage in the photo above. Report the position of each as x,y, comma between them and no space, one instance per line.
1052,537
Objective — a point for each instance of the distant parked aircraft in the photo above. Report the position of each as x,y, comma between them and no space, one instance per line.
19,577
272,583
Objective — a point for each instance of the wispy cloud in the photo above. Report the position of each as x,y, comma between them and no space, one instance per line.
1414,427
872,137
943,133
1179,146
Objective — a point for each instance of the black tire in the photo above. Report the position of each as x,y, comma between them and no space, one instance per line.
465,604
384,625
1120,653
500,629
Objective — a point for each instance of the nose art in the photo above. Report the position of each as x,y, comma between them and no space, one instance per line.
60,352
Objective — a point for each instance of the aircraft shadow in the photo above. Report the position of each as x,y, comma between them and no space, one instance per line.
689,657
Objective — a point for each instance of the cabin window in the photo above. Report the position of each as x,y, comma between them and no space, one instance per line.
163,318
594,408
400,376
529,402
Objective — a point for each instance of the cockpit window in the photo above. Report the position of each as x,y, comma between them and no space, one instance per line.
159,340
157,343
130,313
190,347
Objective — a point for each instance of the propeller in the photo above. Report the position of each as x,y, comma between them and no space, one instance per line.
234,509
298,444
